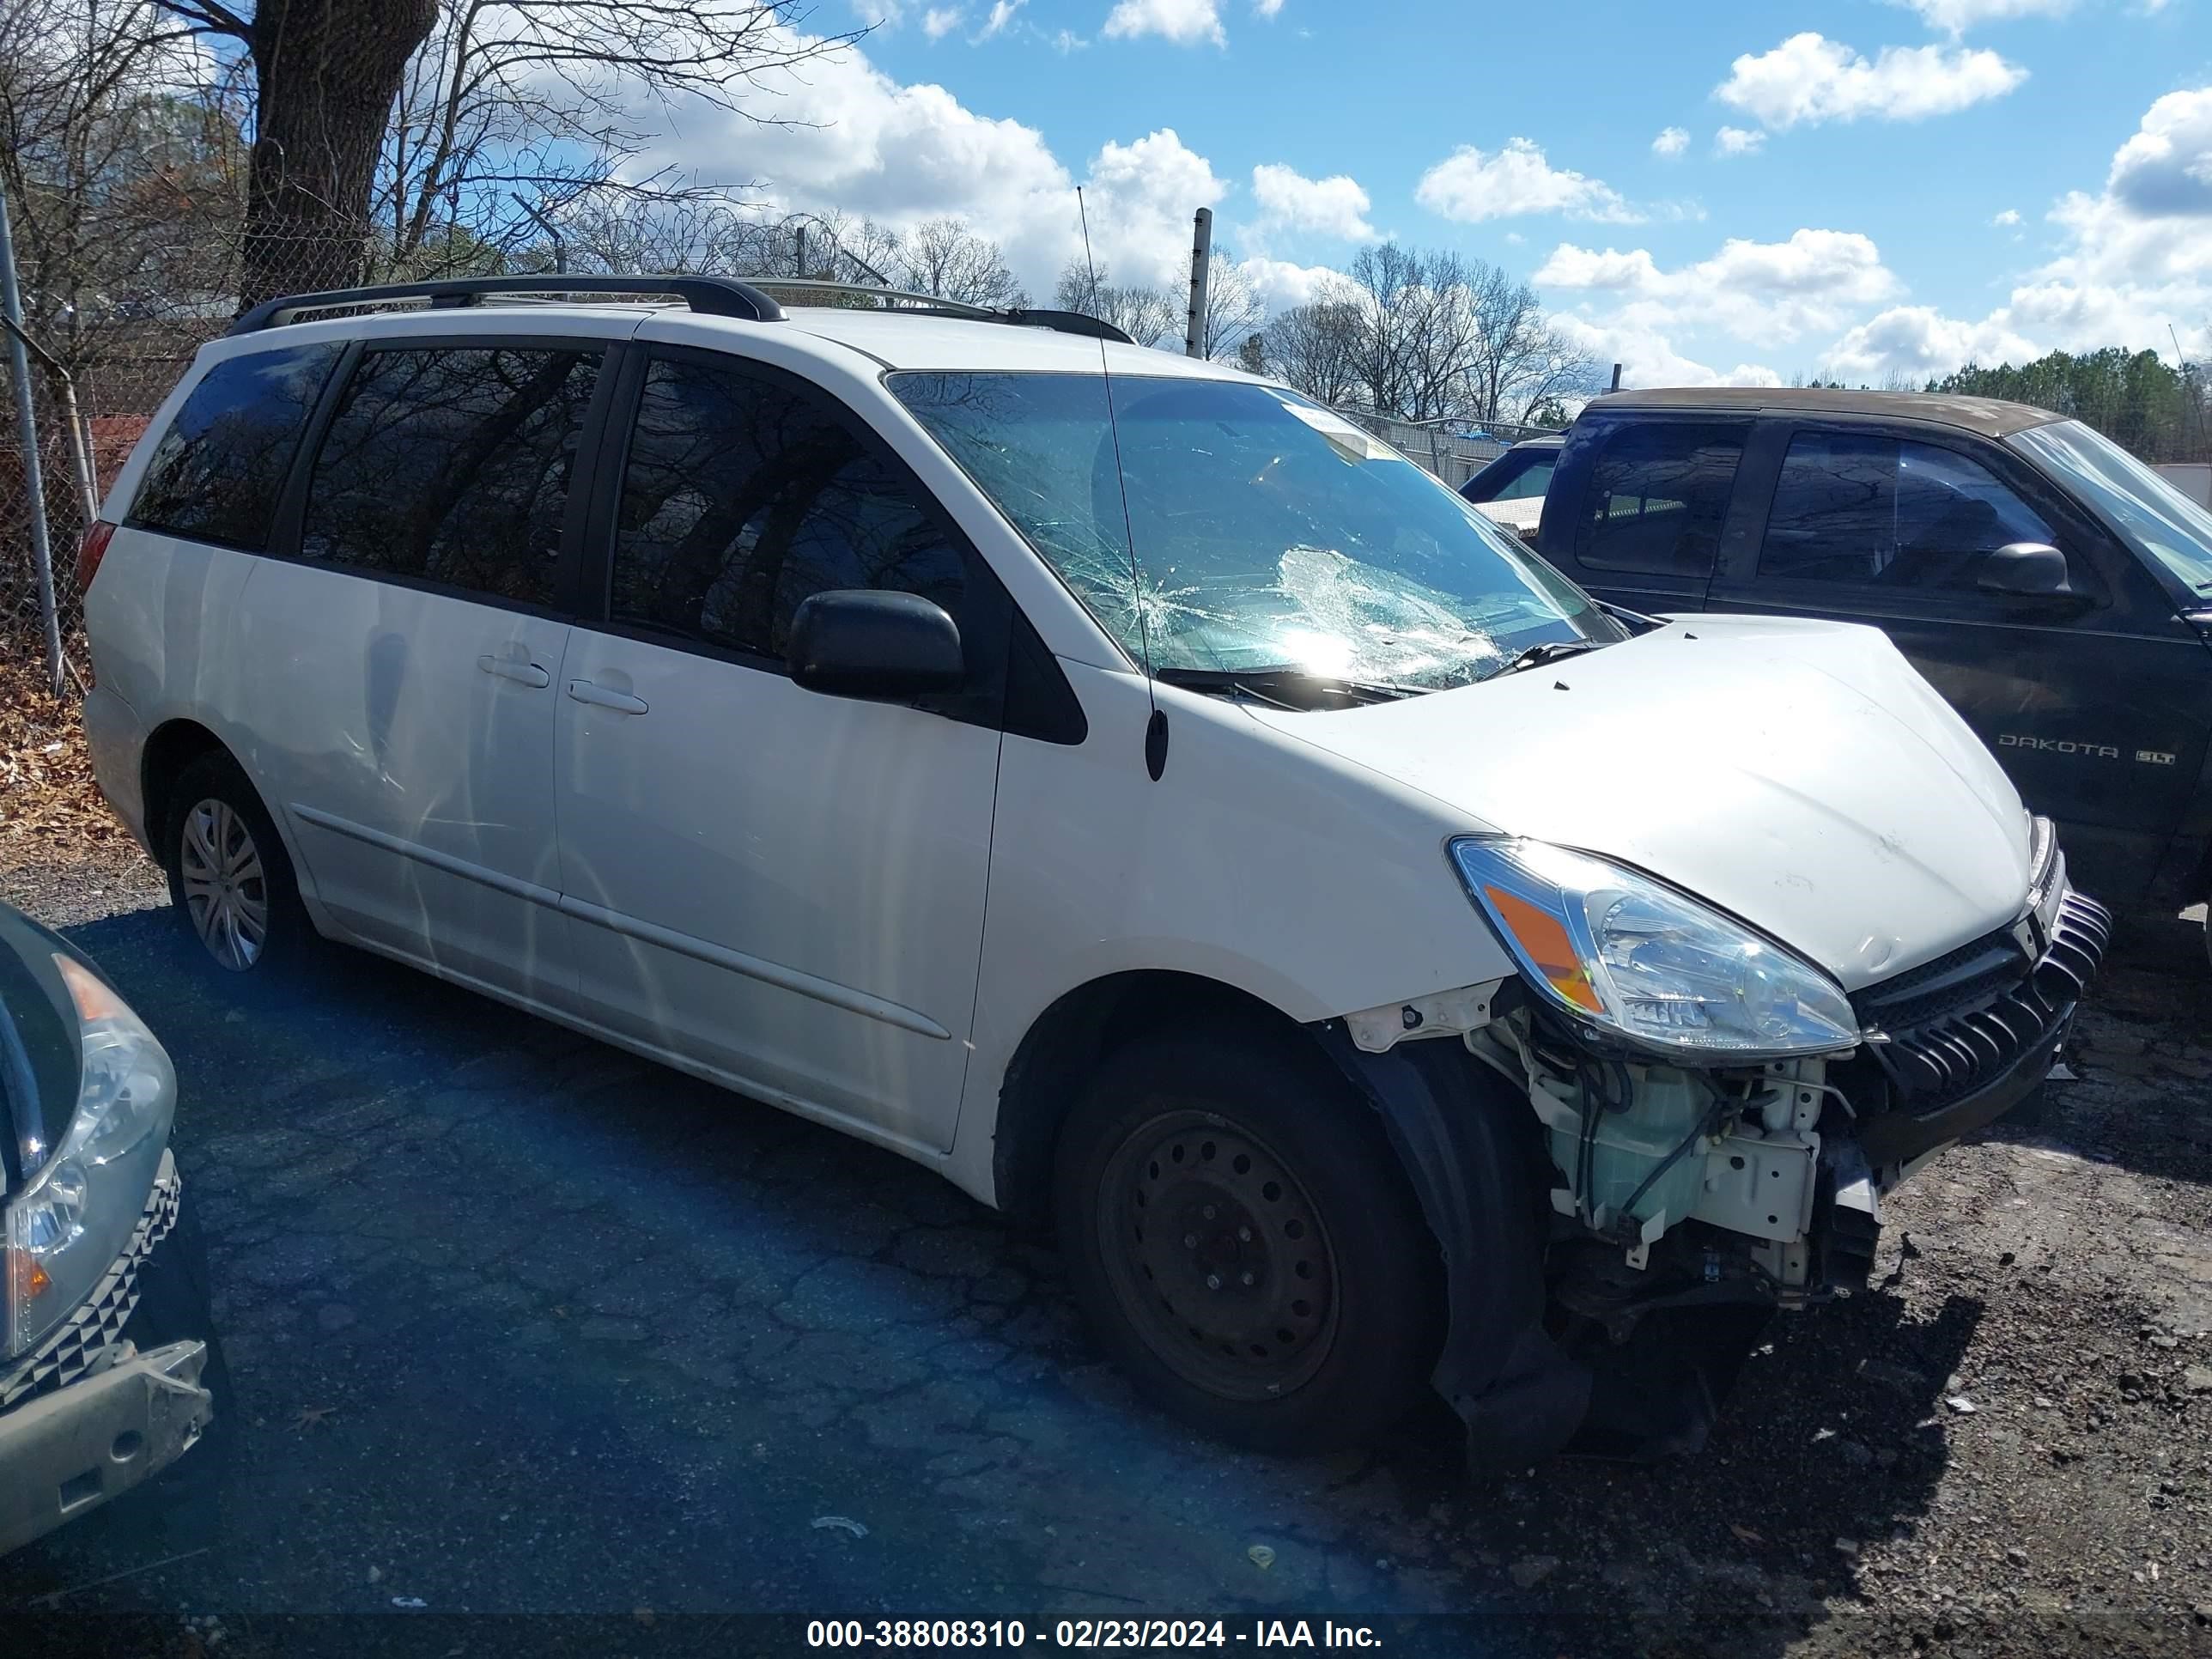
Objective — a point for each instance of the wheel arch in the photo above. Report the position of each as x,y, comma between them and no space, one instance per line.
1064,1043
170,748
1469,1152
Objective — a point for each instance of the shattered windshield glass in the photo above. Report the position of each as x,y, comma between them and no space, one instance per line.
1271,533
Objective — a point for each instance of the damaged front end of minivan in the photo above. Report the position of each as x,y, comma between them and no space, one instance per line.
1667,1126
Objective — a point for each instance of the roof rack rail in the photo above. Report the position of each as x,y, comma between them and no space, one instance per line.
820,290
713,296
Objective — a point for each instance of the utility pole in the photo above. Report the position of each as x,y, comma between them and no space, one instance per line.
1201,267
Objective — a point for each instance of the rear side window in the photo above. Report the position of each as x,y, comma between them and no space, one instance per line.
1532,481
1854,508
1657,499
218,470
451,464
741,499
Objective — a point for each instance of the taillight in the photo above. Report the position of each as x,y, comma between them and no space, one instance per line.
90,552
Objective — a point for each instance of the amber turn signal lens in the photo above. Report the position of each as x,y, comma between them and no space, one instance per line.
1544,937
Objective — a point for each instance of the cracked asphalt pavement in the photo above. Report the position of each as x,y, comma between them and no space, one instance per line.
521,1325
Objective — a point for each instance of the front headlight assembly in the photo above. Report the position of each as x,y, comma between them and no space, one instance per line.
1637,960
76,1214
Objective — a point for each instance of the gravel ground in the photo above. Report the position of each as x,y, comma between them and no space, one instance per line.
522,1325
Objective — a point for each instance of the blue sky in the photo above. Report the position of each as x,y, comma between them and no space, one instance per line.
1836,197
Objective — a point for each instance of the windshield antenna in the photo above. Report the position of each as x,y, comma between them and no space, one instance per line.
1156,728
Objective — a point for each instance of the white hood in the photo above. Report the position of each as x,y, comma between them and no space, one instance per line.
1798,774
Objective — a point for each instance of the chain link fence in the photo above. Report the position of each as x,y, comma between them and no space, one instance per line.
1453,448
87,423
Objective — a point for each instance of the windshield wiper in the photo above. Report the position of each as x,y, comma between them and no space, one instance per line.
1549,651
1270,684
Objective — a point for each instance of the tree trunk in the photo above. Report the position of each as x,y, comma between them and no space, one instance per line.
327,72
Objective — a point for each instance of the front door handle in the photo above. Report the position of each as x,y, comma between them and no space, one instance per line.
599,697
522,673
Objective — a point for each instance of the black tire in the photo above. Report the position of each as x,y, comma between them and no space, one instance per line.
1245,1245
215,785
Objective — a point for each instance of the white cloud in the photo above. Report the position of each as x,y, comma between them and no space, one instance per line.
849,137
2010,216
1279,284
2137,259
1068,41
1186,22
1739,141
1809,78
1647,357
1671,141
1334,206
1002,13
1919,340
940,20
1955,17
2167,167
1769,291
1267,9
1143,195
1470,185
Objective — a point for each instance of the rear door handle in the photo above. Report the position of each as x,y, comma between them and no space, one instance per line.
599,697
522,673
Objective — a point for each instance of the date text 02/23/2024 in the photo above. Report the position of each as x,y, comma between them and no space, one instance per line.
1086,1633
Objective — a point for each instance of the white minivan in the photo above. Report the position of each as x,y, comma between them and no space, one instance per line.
1111,779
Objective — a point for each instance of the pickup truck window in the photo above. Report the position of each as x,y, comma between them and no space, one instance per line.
1856,507
1657,499
2150,514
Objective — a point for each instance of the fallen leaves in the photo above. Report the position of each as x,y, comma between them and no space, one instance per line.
48,801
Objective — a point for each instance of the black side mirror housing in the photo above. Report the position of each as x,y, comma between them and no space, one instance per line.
857,642
2027,570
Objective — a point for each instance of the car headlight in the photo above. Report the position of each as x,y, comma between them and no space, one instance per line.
72,1219
1618,951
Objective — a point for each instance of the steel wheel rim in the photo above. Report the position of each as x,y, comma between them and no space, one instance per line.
226,890
1218,1256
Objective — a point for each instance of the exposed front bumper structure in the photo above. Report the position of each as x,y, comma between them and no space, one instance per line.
87,1415
1614,1321
69,1452
1960,1042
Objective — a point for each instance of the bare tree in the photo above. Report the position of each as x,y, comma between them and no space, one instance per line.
1233,311
381,126
1521,360
1149,316
124,171
943,257
1320,348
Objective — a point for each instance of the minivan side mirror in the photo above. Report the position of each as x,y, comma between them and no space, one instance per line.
857,642
2030,569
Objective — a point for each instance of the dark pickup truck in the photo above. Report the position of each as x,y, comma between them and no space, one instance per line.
2055,589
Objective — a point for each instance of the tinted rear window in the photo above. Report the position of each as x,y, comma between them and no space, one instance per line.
452,466
1657,499
218,470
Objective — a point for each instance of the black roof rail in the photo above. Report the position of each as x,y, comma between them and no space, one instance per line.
813,288
712,296
1067,322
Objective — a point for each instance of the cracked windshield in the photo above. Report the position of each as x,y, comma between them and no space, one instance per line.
1271,534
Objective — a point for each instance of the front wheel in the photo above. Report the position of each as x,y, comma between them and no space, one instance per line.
229,877
1245,1244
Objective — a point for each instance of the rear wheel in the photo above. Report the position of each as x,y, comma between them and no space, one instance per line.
229,877
1245,1245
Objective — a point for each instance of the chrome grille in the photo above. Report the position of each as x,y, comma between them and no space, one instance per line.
80,1346
1964,1020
